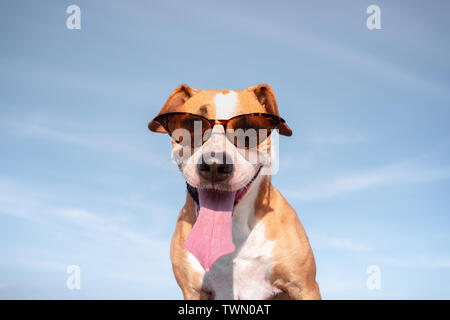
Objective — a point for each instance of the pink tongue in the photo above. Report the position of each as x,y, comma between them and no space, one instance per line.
210,238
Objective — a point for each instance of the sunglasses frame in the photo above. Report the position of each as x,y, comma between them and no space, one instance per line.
223,122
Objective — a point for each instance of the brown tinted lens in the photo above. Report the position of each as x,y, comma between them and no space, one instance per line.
248,131
185,129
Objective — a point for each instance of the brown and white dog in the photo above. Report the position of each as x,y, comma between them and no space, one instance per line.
248,242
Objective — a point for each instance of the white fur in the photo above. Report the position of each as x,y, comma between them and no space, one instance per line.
245,273
225,104
193,262
244,170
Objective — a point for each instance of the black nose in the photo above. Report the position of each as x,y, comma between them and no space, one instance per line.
216,167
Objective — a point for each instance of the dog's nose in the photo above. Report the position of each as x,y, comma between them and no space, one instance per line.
216,167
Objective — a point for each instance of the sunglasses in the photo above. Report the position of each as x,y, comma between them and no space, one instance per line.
244,131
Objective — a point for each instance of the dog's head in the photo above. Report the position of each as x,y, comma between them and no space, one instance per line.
220,159
221,143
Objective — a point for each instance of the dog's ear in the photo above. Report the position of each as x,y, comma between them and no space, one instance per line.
176,100
266,98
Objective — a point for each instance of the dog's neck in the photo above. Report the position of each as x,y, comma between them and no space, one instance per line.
244,214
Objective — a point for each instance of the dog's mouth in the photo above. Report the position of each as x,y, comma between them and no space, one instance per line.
211,235
193,191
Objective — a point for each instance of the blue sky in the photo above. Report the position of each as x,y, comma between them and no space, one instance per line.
83,182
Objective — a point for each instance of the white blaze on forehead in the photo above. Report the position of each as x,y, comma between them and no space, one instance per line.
225,104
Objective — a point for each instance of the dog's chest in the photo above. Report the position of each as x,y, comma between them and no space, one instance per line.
246,273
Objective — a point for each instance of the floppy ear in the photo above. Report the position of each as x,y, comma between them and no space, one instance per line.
266,98
176,100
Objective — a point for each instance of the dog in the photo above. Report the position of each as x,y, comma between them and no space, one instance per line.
236,236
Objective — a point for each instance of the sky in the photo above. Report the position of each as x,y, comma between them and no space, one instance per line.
83,181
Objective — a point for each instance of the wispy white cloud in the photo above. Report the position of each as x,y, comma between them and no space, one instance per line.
419,262
35,206
16,261
305,40
48,76
100,227
334,137
378,177
72,133
338,242
347,244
